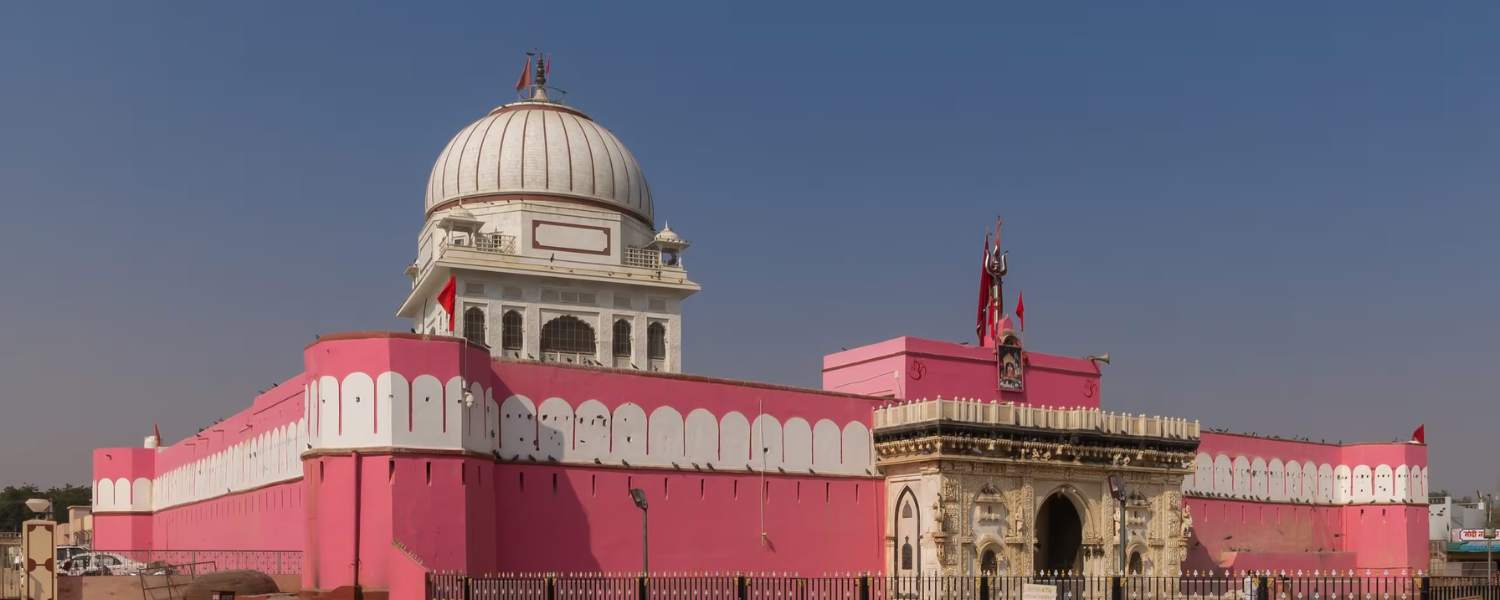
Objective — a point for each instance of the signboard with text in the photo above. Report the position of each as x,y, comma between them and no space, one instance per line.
1037,591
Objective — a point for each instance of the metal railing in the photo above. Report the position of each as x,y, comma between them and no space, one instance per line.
452,586
167,581
270,562
649,258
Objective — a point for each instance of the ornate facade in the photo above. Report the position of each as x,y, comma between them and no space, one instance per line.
977,487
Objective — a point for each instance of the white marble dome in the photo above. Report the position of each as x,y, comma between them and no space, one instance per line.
533,148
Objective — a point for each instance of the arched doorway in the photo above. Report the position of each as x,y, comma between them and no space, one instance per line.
989,564
1134,567
908,535
1059,534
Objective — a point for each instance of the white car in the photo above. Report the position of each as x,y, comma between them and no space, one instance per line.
66,552
100,563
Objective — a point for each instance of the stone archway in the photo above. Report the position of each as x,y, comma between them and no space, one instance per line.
989,563
1059,535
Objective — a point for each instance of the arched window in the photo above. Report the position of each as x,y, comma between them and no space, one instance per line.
906,555
510,330
622,338
569,335
656,341
474,325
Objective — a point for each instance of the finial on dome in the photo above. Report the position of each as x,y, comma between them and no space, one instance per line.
533,80
667,237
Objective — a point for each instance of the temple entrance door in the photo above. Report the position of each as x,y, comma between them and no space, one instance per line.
908,535
1059,534
989,565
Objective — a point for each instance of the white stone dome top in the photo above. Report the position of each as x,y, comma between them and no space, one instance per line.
667,236
540,148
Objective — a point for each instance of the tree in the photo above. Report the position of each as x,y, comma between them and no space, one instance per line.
13,499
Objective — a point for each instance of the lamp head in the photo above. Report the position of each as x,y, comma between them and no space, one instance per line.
1116,487
639,496
40,506
1102,357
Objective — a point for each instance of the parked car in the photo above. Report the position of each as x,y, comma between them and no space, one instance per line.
66,552
100,563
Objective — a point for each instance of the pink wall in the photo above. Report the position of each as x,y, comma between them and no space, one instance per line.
909,368
127,529
127,463
219,520
1233,444
1233,531
122,531
698,521
1253,535
463,510
269,518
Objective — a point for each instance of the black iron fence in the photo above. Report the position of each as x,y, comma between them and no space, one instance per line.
453,586
270,562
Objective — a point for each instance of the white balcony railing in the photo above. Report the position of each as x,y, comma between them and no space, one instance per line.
571,358
649,258
994,413
491,243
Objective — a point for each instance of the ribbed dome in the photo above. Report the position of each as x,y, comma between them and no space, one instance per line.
534,147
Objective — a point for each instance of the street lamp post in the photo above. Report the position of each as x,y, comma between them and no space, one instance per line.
1489,538
639,497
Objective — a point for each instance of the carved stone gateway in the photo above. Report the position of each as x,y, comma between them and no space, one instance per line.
1012,489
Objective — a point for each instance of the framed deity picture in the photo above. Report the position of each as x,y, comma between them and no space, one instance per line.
1012,369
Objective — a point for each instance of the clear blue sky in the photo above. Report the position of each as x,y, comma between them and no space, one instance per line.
1277,218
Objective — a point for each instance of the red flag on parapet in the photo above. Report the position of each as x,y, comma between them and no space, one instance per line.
1021,309
447,296
1420,435
525,78
982,319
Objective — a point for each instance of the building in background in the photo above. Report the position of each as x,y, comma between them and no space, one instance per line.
542,383
79,529
1462,539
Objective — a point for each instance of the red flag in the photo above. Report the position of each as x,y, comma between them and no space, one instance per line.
446,297
547,67
982,319
1021,309
525,78
1420,435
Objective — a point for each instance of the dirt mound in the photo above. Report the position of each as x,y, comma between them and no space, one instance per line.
242,583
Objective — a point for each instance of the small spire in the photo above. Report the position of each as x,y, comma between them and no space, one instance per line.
543,67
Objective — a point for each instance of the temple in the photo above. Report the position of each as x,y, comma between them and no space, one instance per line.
542,381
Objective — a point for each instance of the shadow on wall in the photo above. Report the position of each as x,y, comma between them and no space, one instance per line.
540,519
1198,557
